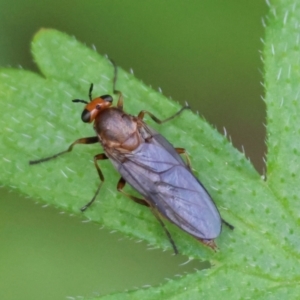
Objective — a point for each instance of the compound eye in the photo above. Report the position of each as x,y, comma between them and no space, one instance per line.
107,98
86,116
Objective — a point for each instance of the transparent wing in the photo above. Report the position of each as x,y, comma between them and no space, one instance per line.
158,173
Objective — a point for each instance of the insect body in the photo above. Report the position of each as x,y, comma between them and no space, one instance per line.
151,165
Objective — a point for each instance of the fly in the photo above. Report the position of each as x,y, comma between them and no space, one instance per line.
151,165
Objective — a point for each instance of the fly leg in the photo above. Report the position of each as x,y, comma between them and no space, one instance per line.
158,121
101,156
115,91
156,214
187,158
120,187
87,140
228,224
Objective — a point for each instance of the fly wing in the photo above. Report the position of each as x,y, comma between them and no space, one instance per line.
158,173
159,140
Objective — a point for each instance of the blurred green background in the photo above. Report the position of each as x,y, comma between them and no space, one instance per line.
203,52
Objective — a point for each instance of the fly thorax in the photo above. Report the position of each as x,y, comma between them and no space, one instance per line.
117,129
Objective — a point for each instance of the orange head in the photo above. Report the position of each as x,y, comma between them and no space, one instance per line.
94,107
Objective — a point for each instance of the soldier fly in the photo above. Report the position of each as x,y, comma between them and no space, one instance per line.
151,165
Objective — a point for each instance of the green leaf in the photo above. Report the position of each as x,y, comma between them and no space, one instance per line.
260,258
